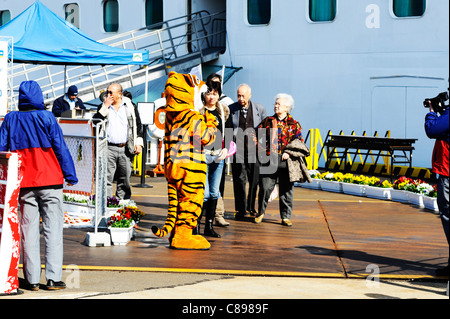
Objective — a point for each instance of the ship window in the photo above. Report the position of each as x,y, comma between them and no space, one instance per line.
5,17
258,11
72,14
111,16
322,10
154,12
409,8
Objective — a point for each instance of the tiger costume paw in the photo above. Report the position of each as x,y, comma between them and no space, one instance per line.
183,239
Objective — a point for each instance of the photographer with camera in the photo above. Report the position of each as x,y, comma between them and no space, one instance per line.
437,127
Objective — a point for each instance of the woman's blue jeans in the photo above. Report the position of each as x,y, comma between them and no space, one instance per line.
213,177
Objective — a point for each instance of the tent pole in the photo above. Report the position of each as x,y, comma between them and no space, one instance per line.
65,79
146,84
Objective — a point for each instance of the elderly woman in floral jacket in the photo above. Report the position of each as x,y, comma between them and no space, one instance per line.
281,129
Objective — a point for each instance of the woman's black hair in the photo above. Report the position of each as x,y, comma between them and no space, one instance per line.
214,86
213,76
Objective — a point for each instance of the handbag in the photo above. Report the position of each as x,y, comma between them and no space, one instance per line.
231,149
274,194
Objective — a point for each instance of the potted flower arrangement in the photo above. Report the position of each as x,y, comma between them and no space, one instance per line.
400,188
430,198
375,188
418,188
414,191
121,224
113,201
113,204
332,182
315,183
76,198
353,184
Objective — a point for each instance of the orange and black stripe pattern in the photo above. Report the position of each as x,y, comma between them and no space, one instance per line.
186,132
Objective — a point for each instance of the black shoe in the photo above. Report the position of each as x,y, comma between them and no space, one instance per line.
210,212
209,230
32,287
55,285
196,229
442,272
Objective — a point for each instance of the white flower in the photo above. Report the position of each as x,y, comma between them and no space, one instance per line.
126,202
424,188
77,198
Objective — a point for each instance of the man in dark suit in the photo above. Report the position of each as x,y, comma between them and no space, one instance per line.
245,115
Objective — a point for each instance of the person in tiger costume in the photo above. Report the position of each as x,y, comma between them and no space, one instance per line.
186,132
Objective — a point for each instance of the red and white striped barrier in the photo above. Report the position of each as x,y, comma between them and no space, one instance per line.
9,222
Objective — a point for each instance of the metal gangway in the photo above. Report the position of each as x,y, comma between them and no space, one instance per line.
177,44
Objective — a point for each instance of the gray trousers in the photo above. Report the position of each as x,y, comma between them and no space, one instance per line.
119,166
45,203
285,191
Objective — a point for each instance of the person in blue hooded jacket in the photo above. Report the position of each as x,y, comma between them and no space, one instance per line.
45,163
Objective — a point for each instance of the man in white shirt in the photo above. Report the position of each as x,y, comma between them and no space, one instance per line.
124,138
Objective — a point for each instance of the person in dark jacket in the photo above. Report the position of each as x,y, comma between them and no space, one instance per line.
45,163
68,101
437,127
245,115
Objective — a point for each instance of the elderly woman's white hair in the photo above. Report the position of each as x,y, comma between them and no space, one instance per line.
288,99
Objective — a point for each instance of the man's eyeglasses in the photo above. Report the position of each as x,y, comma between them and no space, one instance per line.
109,92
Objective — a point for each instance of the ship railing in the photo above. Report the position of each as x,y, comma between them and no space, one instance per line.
171,43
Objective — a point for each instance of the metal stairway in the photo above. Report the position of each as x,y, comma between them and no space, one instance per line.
174,45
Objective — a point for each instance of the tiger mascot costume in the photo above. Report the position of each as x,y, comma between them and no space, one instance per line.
186,132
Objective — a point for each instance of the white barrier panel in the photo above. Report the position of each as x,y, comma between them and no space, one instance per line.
9,222
80,139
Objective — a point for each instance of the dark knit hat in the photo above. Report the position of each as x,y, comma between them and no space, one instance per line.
73,90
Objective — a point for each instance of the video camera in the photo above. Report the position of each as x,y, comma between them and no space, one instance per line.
438,102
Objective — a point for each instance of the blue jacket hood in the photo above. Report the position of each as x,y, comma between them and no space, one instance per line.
30,96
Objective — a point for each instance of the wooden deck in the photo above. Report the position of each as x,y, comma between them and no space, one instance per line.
333,235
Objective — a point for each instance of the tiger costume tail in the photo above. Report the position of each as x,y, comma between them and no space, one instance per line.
185,191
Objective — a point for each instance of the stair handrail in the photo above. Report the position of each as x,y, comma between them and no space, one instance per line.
54,82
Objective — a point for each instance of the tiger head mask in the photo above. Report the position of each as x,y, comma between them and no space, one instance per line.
183,92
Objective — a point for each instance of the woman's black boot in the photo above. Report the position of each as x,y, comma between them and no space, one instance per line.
211,205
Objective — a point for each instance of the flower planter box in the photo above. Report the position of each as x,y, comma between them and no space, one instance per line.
315,184
399,195
378,192
79,208
120,236
430,203
354,189
78,214
331,186
415,199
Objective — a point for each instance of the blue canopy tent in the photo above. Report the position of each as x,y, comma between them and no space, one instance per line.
40,36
